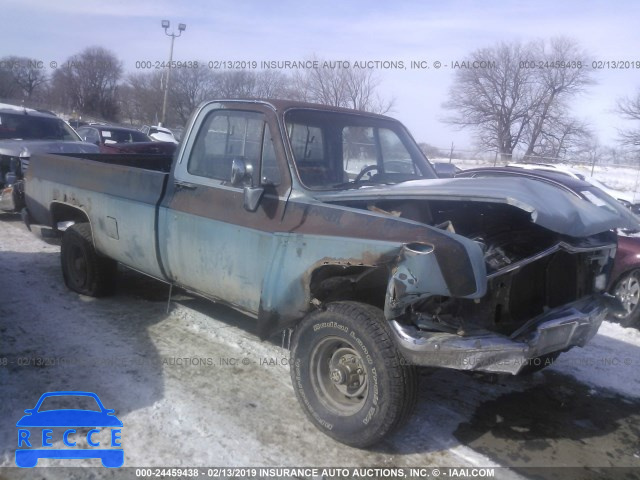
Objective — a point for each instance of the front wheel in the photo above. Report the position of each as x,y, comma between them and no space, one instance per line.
348,376
627,290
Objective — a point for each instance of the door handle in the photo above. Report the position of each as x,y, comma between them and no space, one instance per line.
186,185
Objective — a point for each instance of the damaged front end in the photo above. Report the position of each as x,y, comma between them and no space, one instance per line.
541,261
556,330
544,294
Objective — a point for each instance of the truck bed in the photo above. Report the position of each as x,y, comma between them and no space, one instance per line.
120,193
160,163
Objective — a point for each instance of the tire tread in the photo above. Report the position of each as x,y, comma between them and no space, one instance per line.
403,390
103,268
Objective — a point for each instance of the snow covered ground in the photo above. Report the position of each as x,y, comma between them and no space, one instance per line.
195,387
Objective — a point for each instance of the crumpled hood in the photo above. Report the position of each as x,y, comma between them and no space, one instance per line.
14,148
549,206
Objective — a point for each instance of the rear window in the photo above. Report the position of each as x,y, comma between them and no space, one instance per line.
124,136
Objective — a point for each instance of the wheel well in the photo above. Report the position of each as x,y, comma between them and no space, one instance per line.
61,212
331,283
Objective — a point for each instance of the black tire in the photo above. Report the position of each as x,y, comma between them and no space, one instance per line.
627,290
84,270
536,364
350,379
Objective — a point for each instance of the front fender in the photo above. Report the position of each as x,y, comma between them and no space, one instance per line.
416,272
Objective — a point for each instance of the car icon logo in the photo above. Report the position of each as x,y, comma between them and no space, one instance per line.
93,418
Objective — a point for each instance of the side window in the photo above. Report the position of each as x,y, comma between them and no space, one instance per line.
226,135
312,152
90,134
307,143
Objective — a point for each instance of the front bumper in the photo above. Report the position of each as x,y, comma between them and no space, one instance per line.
556,330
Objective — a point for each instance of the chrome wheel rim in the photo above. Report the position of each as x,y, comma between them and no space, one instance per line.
628,292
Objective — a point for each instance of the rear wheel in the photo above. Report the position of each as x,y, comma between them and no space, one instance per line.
348,376
84,270
627,290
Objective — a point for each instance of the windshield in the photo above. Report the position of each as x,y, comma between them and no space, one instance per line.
31,127
335,150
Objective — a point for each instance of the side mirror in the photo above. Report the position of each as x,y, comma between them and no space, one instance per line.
445,170
252,196
242,174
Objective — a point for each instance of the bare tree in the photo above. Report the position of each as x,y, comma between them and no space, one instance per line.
235,84
589,150
88,82
250,84
9,89
494,101
21,78
561,137
190,87
341,87
140,97
514,96
555,84
362,94
272,84
26,74
629,108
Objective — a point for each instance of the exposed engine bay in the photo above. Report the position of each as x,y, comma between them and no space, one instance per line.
530,269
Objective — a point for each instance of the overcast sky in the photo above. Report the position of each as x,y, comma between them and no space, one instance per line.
341,30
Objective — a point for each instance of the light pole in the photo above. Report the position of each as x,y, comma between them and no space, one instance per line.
181,28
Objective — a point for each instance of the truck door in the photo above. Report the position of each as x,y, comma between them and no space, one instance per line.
208,241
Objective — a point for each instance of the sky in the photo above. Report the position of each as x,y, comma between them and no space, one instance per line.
430,31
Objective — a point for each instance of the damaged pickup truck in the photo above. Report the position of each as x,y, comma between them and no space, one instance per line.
330,224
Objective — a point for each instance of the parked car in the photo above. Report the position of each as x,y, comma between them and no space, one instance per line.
627,199
24,131
77,123
111,139
177,133
624,280
159,134
329,226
